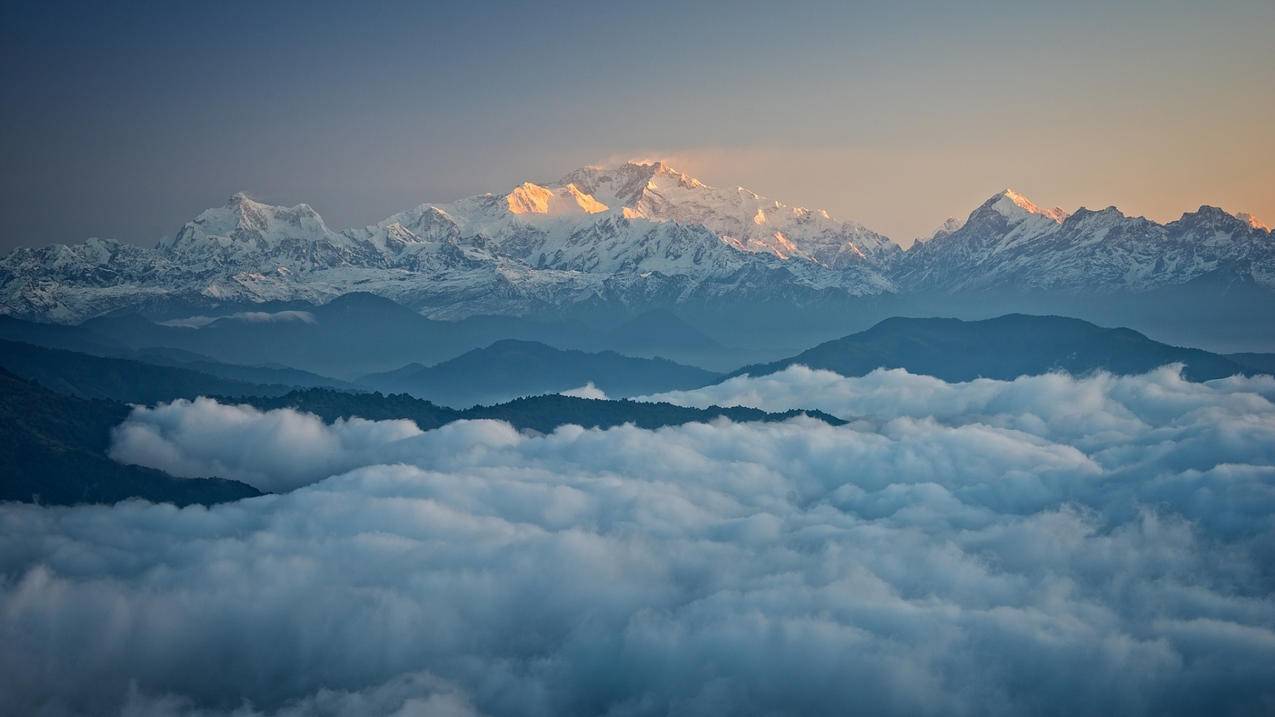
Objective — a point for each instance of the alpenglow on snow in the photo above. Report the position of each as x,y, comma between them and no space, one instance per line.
640,235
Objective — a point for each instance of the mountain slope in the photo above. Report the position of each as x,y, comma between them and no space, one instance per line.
85,376
272,375
60,336
606,242
741,218
510,368
53,451
1009,242
354,334
1001,348
1256,362
534,248
337,337
120,337
659,329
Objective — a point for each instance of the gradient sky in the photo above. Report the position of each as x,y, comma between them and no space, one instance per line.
126,122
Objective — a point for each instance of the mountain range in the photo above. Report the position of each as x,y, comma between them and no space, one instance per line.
1010,242
337,339
616,242
140,367
59,408
500,372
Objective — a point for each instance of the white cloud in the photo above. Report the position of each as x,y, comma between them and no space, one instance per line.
588,390
256,317
1046,545
273,451
1101,409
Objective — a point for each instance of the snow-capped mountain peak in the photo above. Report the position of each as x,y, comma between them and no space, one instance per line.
566,200
1010,242
248,234
1006,221
628,184
1014,206
745,220
948,226
243,218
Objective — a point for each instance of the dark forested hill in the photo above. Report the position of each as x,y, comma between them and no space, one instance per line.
1002,348
86,376
540,413
1258,363
352,335
53,450
544,413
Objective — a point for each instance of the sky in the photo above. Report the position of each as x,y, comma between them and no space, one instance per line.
126,122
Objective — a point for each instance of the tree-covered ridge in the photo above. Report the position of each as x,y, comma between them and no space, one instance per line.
53,451
85,376
538,413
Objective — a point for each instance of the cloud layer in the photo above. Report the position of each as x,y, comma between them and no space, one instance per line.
1047,545
273,451
252,317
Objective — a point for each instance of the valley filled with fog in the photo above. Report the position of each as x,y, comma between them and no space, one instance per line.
992,546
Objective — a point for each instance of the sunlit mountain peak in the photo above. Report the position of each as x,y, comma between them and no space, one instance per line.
1010,204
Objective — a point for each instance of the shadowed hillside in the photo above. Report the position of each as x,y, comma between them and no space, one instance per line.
1002,348
53,451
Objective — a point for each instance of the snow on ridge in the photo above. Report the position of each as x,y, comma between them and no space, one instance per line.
1252,221
638,233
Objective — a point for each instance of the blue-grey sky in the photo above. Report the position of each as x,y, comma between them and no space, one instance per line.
126,119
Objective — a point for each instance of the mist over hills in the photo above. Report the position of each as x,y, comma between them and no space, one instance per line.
355,335
54,449
498,371
59,409
662,333
1001,476
448,362
351,335
505,370
509,368
123,380
50,448
1084,527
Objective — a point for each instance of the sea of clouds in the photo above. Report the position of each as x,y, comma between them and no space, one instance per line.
1048,545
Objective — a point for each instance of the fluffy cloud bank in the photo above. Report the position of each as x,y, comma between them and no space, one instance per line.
1046,545
273,451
